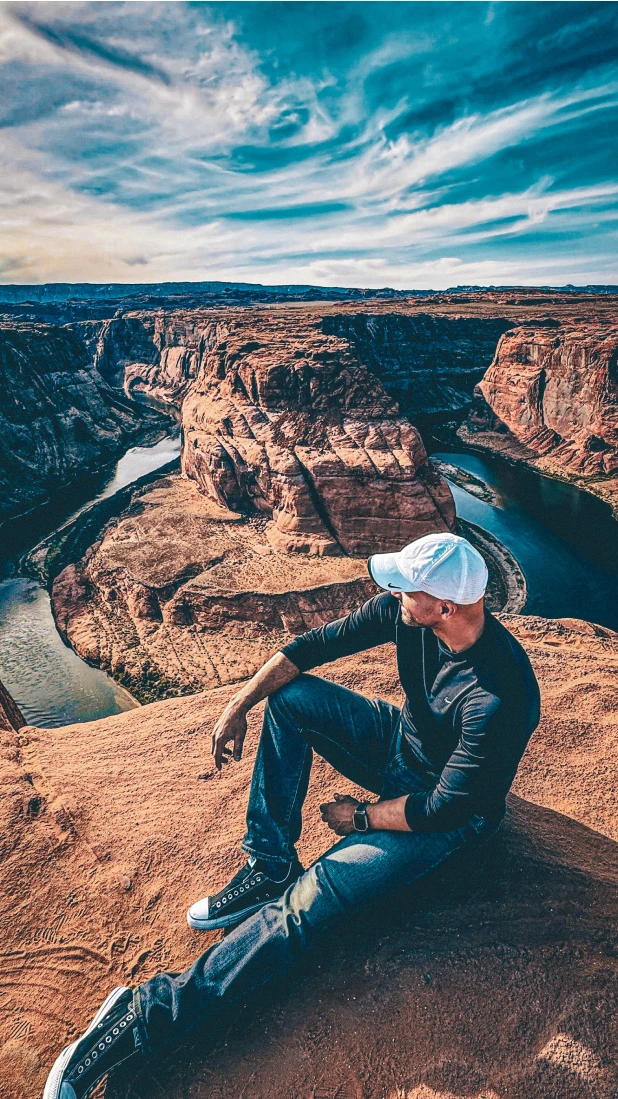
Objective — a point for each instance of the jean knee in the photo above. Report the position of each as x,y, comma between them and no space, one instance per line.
310,905
291,698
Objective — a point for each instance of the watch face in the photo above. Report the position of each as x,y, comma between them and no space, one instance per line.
361,820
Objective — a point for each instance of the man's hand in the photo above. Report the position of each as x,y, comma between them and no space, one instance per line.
338,814
232,725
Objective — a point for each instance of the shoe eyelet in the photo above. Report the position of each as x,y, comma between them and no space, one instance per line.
87,1061
115,1030
235,892
224,901
218,904
123,1023
252,882
129,1018
108,1039
80,1069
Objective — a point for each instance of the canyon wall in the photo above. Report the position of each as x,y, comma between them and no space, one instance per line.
428,363
289,420
58,416
557,393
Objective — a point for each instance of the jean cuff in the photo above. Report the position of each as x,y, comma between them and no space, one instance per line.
284,860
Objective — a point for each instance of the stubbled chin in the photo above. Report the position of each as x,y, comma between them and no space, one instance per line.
407,619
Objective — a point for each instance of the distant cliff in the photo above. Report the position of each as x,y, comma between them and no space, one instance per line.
557,392
550,399
58,416
429,364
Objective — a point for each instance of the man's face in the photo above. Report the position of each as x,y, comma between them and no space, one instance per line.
420,609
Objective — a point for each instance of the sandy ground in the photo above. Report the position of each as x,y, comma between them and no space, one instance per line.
494,981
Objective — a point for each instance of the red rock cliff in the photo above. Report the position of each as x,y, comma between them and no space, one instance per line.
290,419
557,392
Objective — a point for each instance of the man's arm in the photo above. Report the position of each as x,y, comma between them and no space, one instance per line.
384,816
232,725
371,624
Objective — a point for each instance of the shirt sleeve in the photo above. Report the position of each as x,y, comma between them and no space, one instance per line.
471,769
372,624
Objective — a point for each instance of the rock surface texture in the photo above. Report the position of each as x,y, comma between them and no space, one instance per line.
58,416
550,399
500,981
290,421
557,392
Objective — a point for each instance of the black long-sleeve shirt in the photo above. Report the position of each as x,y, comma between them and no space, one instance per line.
467,716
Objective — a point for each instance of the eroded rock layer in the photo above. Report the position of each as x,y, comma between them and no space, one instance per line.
557,392
429,363
181,593
498,980
291,421
58,416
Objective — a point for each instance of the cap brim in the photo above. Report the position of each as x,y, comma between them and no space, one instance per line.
383,570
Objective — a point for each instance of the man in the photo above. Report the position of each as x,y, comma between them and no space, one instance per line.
442,767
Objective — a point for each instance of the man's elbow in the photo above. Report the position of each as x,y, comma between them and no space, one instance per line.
437,814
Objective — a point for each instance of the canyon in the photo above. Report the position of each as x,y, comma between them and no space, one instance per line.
303,427
550,398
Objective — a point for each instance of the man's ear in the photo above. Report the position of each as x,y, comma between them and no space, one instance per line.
447,610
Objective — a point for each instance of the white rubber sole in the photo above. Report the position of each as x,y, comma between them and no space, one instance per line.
220,921
54,1080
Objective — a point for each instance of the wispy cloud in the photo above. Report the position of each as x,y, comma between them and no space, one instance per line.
359,146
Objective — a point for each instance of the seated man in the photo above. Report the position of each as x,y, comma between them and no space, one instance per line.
441,767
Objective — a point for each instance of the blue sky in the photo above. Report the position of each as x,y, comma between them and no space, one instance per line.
356,144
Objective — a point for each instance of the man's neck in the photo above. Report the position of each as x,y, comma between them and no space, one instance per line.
462,634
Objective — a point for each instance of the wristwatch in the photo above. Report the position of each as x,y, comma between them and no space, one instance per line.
360,819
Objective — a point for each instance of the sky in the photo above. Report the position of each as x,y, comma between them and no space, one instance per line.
411,145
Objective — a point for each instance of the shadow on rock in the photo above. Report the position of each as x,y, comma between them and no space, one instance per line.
495,978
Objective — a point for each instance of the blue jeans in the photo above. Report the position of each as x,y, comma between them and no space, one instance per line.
361,738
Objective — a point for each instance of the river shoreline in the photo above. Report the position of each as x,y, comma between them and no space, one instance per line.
21,531
507,449
68,543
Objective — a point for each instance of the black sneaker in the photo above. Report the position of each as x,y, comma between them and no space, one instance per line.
248,890
112,1037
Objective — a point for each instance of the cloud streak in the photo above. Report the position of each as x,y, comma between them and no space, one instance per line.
192,141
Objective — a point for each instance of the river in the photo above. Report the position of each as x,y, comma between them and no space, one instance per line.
50,683
565,539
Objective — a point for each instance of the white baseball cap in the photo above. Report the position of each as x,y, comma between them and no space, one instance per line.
443,565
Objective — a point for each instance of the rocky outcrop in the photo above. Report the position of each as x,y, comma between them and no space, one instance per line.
58,417
498,979
557,393
11,717
291,422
